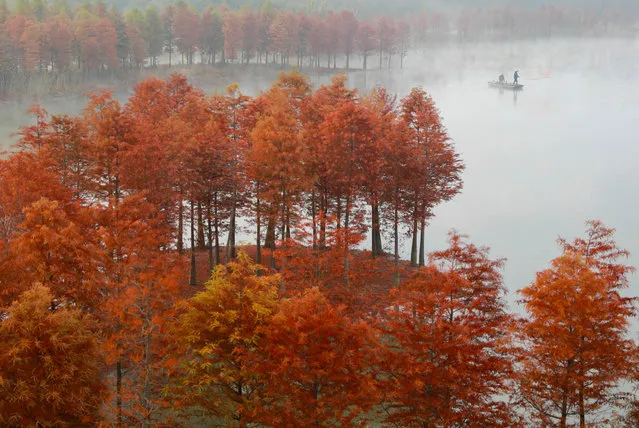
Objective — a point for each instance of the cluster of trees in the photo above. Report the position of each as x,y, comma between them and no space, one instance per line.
55,41
102,319
546,20
42,37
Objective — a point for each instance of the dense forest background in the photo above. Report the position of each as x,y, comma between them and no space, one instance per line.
372,7
52,47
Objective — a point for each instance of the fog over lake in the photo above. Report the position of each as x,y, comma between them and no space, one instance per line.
539,163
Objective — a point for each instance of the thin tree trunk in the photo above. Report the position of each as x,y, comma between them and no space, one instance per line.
269,240
564,406
147,364
118,391
323,210
582,407
210,235
201,242
283,214
180,231
230,245
373,237
422,250
376,237
217,232
396,231
288,223
314,219
346,243
413,251
258,247
582,404
192,277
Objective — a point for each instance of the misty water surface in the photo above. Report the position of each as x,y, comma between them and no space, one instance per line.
539,163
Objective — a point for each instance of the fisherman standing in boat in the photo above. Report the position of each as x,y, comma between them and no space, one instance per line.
502,79
516,77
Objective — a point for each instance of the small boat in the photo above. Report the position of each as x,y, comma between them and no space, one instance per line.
506,85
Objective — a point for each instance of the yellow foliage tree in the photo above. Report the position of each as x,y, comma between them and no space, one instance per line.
49,364
221,331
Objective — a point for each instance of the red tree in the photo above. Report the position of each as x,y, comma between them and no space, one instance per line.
448,344
577,348
316,365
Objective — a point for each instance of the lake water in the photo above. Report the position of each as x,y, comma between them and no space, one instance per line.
539,163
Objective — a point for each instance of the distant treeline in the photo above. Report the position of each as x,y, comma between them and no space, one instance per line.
51,41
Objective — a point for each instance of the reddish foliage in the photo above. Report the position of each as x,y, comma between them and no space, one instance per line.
575,333
448,343
316,365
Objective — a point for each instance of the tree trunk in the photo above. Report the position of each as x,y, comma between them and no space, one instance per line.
217,233
422,250
258,247
230,243
147,365
118,391
376,236
346,241
201,242
269,240
564,408
314,219
413,251
193,268
396,231
283,214
582,407
323,210
180,231
210,235
288,223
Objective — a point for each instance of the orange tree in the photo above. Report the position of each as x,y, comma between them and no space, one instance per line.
446,331
49,364
575,334
316,365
